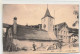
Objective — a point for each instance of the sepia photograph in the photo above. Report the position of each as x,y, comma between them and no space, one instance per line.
40,28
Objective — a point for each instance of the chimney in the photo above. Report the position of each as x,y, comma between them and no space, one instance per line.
15,25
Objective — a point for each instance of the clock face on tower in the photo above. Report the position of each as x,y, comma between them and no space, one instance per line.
44,26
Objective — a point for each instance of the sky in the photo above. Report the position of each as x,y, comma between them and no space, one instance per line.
31,14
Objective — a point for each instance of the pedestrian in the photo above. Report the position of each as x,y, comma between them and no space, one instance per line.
34,47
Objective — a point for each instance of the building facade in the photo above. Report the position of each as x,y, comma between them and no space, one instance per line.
62,32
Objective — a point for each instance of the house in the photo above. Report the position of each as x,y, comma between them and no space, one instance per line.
74,37
62,32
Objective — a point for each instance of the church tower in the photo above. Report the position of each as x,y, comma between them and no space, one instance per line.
47,21
48,25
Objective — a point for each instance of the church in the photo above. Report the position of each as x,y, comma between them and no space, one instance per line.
43,35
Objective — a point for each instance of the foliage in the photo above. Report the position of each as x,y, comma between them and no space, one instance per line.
76,13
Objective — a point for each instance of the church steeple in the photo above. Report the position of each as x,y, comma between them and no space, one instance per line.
47,24
47,14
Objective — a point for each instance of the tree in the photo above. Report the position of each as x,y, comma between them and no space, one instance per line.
74,40
76,13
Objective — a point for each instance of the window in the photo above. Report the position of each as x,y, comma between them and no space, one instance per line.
61,36
61,32
44,26
64,36
64,32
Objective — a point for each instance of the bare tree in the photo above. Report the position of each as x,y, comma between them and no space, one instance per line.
77,14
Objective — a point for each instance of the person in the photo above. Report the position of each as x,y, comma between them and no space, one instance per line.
54,46
60,45
34,47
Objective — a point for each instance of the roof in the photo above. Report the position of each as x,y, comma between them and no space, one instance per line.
61,25
58,27
73,30
5,25
47,14
24,32
34,33
31,33
74,35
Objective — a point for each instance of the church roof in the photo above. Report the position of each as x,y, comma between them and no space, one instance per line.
28,33
36,34
47,14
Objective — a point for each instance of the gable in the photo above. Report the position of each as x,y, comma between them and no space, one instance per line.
64,28
61,26
64,31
